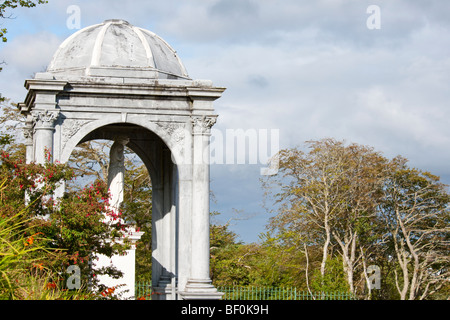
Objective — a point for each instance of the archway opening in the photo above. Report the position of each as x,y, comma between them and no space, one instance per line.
90,162
149,202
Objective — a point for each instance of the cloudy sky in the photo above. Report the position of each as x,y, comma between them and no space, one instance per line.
311,69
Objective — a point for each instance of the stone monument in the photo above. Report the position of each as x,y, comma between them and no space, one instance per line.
114,80
116,172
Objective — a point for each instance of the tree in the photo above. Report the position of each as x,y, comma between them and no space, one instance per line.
10,124
277,262
73,226
327,198
362,178
415,212
234,263
226,265
90,161
354,206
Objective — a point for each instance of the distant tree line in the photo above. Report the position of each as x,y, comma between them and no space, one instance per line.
337,210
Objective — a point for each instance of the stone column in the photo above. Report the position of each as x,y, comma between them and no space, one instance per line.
199,285
44,129
184,209
166,225
157,211
165,231
41,108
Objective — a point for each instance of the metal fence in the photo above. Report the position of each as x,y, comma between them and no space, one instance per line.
279,293
144,291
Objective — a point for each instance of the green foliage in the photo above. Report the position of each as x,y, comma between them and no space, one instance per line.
90,161
23,253
78,225
72,228
334,279
226,267
276,264
15,253
268,264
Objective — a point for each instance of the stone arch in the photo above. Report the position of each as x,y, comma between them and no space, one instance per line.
85,91
157,157
158,129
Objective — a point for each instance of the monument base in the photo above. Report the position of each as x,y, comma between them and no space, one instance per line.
124,286
166,289
200,290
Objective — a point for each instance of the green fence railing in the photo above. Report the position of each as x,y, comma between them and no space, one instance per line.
279,293
144,291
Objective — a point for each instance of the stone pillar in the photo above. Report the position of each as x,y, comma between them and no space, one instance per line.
44,129
200,285
125,263
165,231
184,225
173,233
157,212
166,218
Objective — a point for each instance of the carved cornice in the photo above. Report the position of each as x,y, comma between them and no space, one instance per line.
70,127
176,131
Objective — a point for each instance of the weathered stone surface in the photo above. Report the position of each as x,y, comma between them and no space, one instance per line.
115,48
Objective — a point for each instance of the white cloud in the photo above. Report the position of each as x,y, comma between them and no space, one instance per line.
25,55
31,52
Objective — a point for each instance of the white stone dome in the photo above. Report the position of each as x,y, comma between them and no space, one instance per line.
115,48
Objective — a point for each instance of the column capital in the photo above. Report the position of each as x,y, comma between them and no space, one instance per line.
202,124
45,119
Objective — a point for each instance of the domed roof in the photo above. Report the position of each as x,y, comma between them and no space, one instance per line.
115,48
